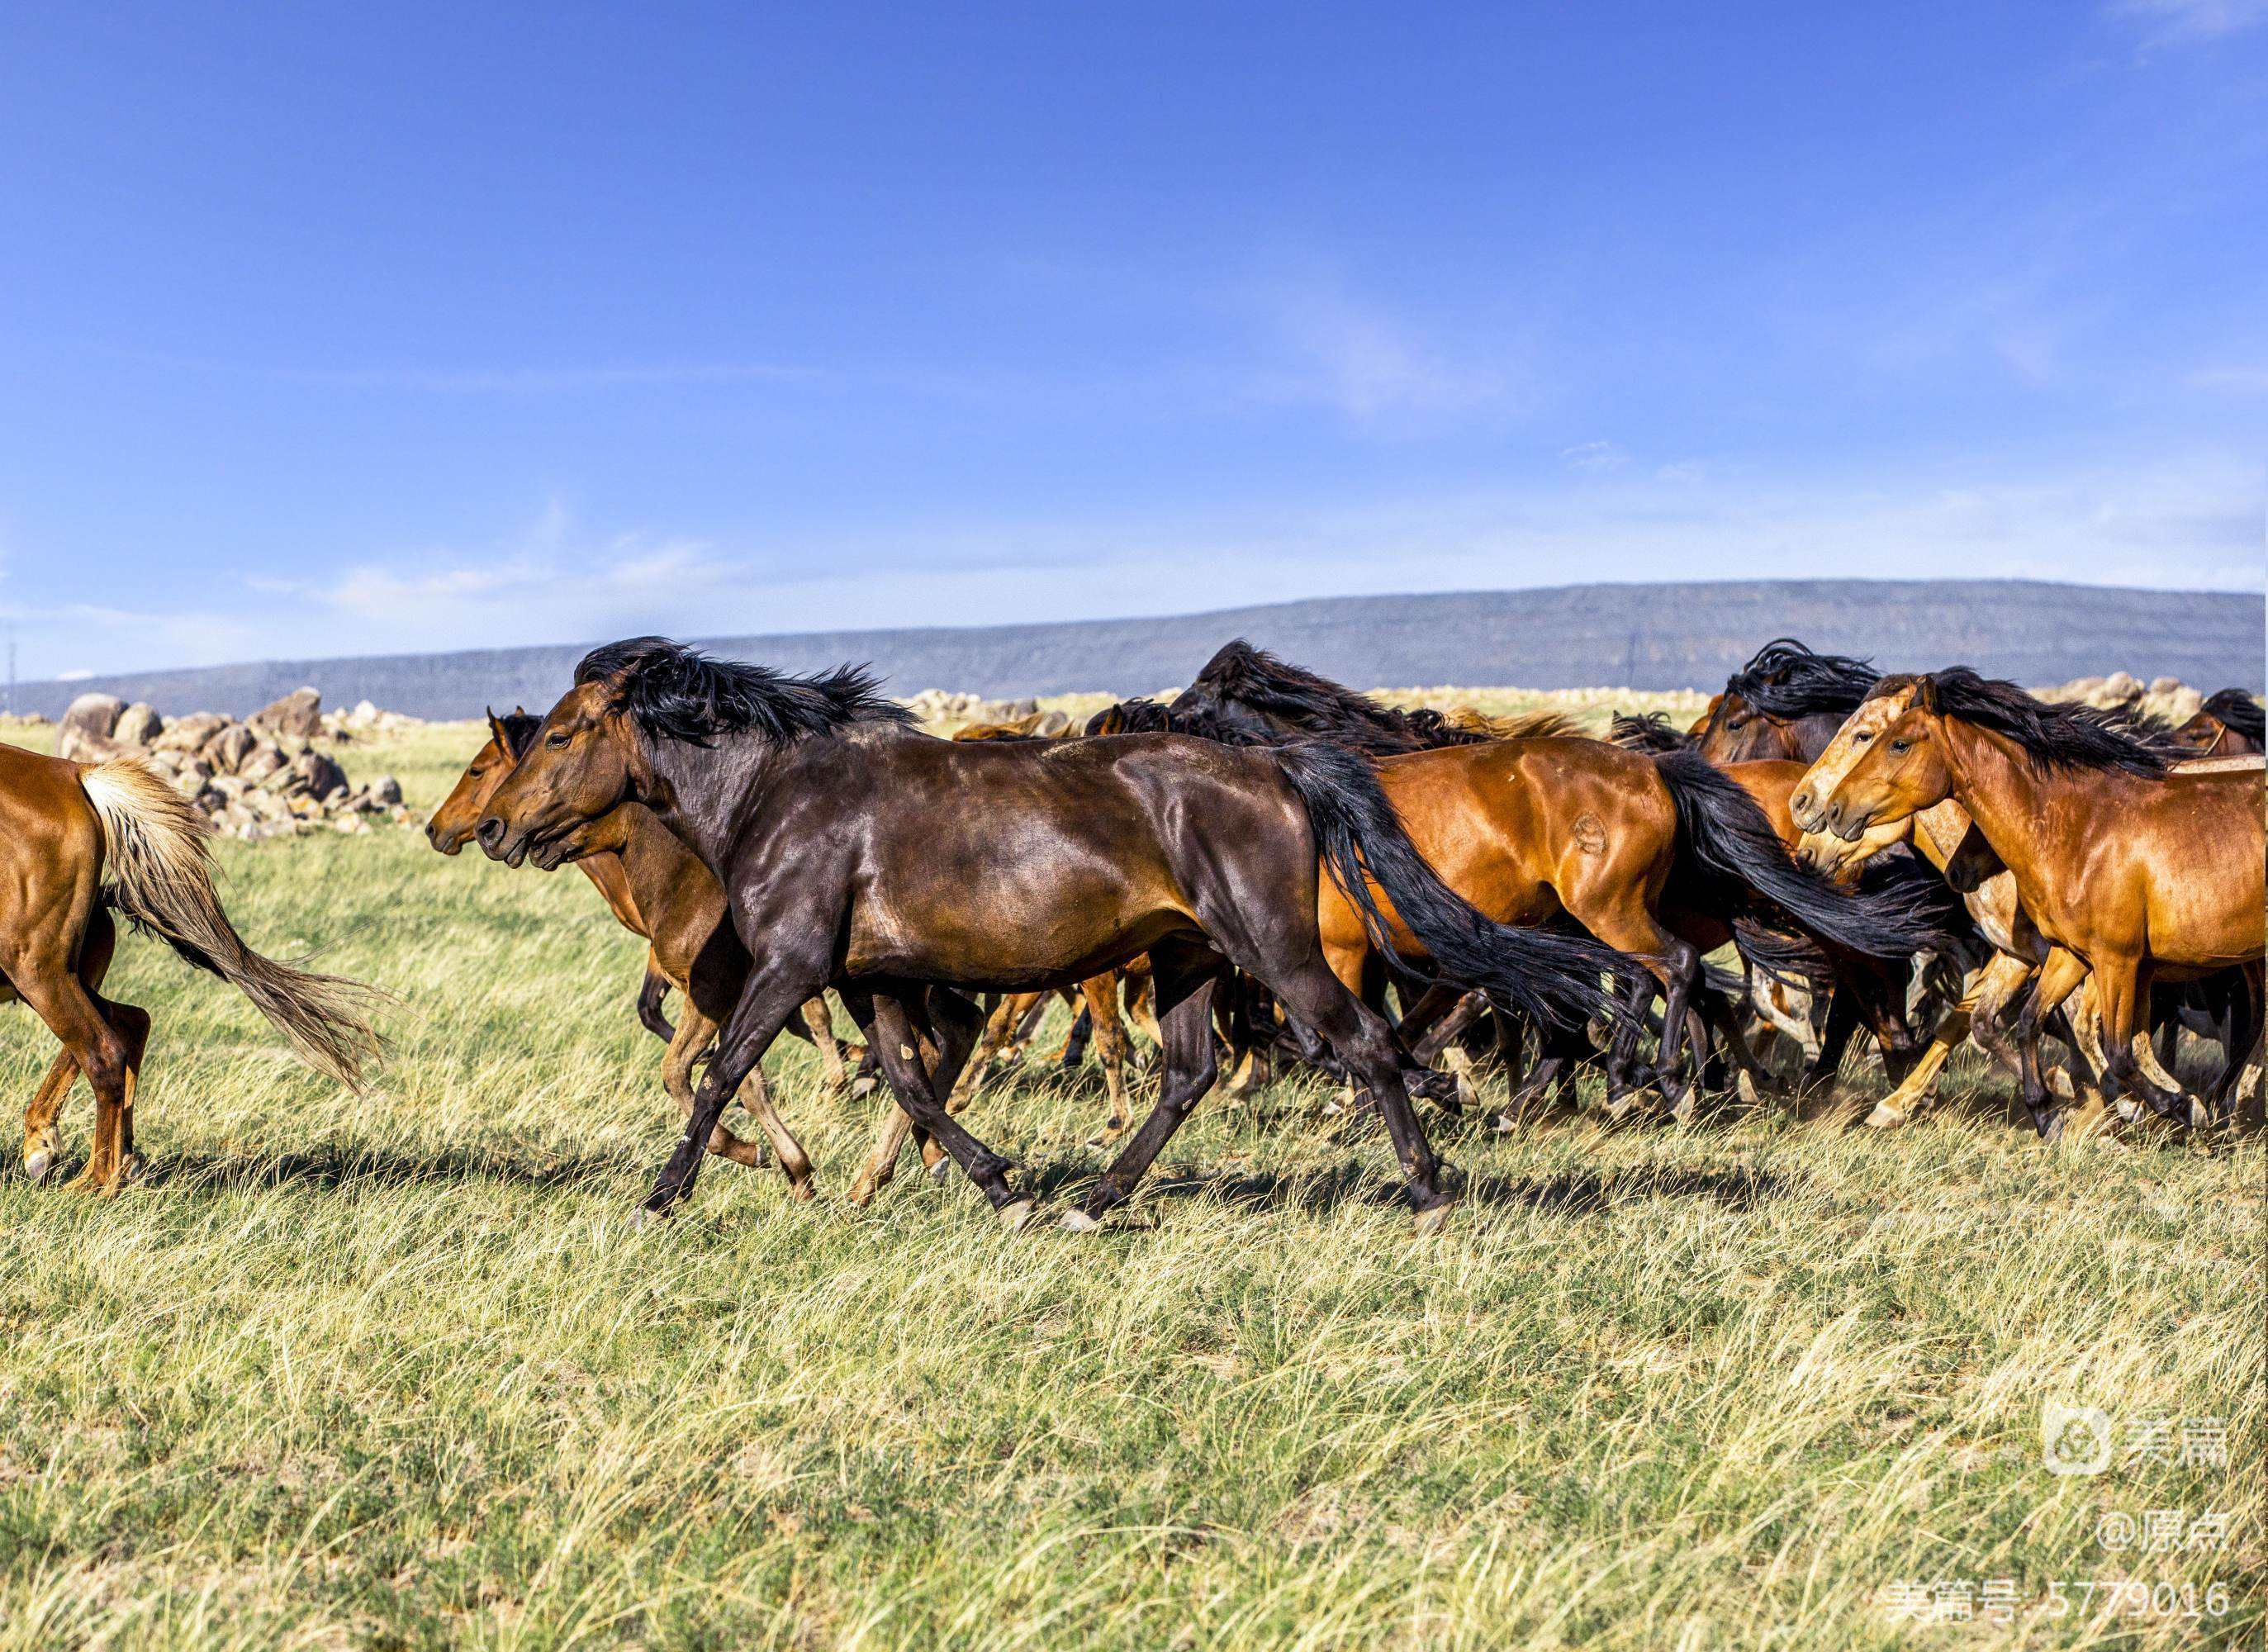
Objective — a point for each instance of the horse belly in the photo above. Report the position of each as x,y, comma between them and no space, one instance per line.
1011,931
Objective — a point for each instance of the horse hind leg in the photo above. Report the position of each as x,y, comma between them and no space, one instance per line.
1109,1037
43,1140
695,1029
97,1049
819,1021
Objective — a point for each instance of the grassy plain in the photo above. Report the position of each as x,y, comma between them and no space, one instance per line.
397,1372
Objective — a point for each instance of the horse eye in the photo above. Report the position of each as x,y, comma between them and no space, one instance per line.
1860,740
557,739
1898,745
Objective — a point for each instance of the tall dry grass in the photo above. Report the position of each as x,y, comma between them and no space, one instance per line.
399,1373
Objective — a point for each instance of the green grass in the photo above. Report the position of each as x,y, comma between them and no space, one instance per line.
397,1372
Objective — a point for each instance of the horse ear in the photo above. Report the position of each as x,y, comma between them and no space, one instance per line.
495,731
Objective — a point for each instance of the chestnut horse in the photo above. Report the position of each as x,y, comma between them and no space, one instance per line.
859,852
2135,872
657,890
80,841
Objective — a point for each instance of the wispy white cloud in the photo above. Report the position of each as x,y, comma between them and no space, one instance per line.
1595,458
1364,362
2193,523
2167,22
2231,380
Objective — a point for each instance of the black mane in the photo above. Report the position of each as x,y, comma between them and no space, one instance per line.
2054,736
1651,731
1785,679
1133,717
673,692
2239,710
1316,705
519,727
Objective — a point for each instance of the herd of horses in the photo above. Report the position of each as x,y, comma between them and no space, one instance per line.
1274,869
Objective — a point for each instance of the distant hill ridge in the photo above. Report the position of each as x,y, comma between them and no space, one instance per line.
1623,636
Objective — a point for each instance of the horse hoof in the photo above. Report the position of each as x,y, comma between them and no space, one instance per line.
645,1216
1077,1220
2052,1131
40,1165
1013,1217
1684,1110
1433,1219
1745,1088
1884,1117
862,1086
941,1171
132,1168
1468,1097
802,1190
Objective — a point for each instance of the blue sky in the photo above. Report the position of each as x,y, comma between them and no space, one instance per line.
347,329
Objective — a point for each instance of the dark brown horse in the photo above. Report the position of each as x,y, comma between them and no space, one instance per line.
2136,874
2228,724
859,852
657,890
1786,702
80,841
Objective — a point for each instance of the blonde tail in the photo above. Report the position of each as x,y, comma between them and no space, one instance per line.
158,874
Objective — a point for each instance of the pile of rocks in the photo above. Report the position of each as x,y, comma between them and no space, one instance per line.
366,718
941,707
261,777
2168,699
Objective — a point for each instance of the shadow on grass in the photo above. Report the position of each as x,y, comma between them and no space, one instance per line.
345,1165
1573,1193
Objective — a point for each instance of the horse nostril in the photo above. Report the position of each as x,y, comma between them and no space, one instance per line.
491,831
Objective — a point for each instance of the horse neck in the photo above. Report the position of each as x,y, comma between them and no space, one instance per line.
708,794
653,861
2012,799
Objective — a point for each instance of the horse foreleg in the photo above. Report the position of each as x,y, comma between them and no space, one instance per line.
695,1029
2058,978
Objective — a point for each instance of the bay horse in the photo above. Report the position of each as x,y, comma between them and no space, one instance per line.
657,890
1785,702
1657,855
2229,725
81,841
2129,869
856,852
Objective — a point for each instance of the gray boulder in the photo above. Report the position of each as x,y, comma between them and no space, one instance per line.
84,734
316,775
227,750
299,715
265,758
139,725
190,732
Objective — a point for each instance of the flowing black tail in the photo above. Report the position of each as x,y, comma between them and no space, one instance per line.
1554,977
1728,852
